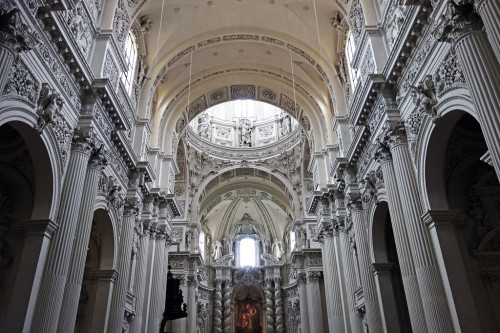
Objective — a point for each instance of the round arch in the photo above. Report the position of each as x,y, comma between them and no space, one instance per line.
44,156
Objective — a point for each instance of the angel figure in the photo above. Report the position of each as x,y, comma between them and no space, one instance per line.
48,105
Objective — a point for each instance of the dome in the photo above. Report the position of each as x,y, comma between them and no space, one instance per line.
243,128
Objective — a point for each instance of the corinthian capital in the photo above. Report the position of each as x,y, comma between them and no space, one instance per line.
14,34
458,20
133,206
382,154
396,136
83,140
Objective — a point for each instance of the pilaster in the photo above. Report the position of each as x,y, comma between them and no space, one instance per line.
432,293
481,68
489,10
98,161
405,256
50,297
157,295
133,206
369,291
314,302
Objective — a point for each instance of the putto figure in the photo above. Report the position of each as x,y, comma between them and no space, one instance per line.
48,105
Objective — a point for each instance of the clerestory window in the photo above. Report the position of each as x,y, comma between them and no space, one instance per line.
130,61
350,51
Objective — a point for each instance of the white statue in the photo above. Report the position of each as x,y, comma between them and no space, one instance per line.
277,249
217,250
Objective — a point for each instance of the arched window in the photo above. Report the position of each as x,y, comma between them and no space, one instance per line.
292,241
130,62
247,252
350,50
201,244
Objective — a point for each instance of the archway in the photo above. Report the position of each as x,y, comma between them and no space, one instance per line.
248,312
387,272
99,276
25,226
464,197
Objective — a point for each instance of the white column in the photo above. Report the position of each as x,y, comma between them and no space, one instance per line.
490,14
304,313
432,293
278,306
350,281
51,292
269,306
71,297
158,290
132,208
191,304
217,324
314,303
408,274
140,282
481,68
332,283
369,290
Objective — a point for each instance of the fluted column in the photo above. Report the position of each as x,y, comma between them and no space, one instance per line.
432,292
217,325
54,277
314,302
350,282
489,10
481,68
369,290
157,296
140,282
132,208
304,312
227,307
334,308
408,274
278,306
71,298
269,306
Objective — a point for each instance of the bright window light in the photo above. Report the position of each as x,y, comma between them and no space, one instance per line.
247,252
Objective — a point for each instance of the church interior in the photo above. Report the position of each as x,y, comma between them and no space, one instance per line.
300,166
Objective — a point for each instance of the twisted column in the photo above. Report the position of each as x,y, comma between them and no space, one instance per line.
278,305
350,281
132,208
50,296
429,280
71,298
269,306
140,281
218,307
227,307
157,296
405,256
369,291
